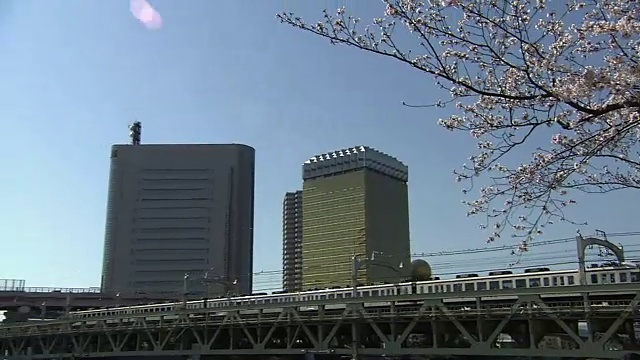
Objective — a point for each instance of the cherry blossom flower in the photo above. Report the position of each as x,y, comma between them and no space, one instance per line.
562,78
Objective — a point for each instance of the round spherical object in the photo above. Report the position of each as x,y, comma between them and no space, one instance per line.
420,270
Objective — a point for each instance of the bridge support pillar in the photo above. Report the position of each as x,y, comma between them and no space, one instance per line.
12,316
629,329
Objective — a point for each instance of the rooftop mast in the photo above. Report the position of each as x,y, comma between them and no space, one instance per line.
135,132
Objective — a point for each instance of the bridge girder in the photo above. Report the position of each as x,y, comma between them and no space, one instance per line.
427,327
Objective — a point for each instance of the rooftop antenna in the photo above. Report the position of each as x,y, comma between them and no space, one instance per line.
135,132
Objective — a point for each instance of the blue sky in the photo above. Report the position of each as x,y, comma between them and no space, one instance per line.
75,73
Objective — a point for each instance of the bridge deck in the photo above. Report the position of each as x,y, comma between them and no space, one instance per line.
469,324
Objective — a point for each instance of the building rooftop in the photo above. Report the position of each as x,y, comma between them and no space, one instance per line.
150,145
354,158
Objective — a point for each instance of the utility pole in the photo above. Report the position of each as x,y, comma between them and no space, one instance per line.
206,281
600,240
185,288
356,265
227,285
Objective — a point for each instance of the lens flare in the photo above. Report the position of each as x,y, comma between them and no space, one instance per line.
146,14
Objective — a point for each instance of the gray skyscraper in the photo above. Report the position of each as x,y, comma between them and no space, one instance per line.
176,210
292,242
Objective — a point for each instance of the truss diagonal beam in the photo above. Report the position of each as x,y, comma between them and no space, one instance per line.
196,335
42,343
377,330
494,334
272,329
456,323
123,341
76,345
305,328
539,302
624,315
18,349
243,325
216,334
423,308
155,341
335,327
294,337
167,336
113,344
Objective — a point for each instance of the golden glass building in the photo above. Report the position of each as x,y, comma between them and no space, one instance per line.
354,202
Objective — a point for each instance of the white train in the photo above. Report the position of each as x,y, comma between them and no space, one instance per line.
531,278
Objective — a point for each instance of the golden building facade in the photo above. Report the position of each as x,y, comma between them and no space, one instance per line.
354,202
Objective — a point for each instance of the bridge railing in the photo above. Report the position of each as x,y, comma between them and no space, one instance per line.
91,290
86,291
16,285
11,285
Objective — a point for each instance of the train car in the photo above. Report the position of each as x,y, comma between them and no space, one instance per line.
497,280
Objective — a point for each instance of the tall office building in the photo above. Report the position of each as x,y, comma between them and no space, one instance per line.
292,242
355,202
176,210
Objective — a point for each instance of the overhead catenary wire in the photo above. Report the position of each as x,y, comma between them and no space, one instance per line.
274,287
271,280
537,259
480,267
513,246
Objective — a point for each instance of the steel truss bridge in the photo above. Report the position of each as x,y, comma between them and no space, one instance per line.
538,322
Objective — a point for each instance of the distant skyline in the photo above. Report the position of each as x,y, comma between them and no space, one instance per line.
77,73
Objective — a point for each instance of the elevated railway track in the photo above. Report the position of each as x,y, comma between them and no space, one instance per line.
534,322
23,303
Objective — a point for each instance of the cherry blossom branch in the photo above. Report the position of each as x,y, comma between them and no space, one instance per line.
515,70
